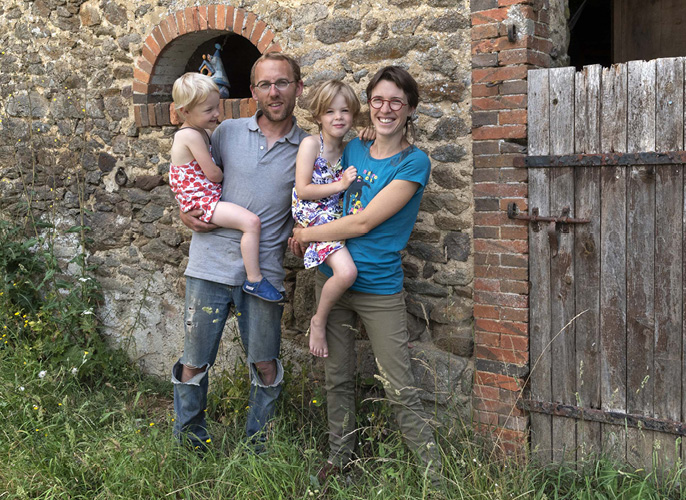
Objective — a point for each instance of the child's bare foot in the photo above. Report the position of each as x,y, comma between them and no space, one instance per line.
318,346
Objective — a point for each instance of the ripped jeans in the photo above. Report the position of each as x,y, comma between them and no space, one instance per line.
259,322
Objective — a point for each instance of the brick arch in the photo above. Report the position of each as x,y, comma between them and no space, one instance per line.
169,46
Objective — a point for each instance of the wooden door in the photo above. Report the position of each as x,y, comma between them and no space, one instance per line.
606,300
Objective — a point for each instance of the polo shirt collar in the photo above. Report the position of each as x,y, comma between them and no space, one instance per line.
293,136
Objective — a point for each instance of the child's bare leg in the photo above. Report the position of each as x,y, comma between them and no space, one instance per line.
233,216
344,275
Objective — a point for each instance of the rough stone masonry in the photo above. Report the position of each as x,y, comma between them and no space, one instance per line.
69,145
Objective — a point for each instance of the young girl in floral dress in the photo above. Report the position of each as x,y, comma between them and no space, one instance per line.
320,182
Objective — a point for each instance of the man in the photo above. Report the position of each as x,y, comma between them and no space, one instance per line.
258,156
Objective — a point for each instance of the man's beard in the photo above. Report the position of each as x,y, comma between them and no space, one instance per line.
285,113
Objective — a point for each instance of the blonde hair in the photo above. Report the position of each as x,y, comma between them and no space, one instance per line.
192,89
322,94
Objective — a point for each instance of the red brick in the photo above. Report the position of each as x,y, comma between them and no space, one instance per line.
274,47
485,259
487,338
166,32
500,132
191,22
508,313
249,25
520,261
490,219
486,418
498,380
485,31
515,342
148,54
140,75
239,18
513,423
512,436
498,161
489,232
484,75
153,45
144,65
485,392
159,37
228,110
515,287
483,311
490,285
501,299
486,147
521,203
139,87
500,189
485,90
258,32
541,44
221,17
516,116
500,102
495,271
181,23
252,106
230,14
212,17
137,115
499,354
202,17
491,45
151,115
502,327
515,232
245,112
489,16
266,40
542,30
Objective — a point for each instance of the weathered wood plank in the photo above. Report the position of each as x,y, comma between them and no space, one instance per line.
539,265
613,258
668,255
613,125
562,264
641,261
587,257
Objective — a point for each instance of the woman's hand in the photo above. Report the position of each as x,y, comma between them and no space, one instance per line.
191,220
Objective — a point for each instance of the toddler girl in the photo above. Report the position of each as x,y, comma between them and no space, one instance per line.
318,195
196,180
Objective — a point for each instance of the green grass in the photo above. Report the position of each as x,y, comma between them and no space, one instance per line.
62,438
78,421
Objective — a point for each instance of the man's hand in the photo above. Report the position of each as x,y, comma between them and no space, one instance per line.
191,221
348,177
367,134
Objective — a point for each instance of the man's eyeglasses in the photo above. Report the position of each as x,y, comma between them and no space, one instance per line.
280,85
394,104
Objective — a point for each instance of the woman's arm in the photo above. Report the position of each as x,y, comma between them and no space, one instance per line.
195,143
304,166
383,206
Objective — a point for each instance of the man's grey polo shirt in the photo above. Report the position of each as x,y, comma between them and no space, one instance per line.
260,180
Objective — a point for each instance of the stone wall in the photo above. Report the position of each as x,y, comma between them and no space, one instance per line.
69,142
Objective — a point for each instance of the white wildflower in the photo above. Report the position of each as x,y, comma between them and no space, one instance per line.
42,374
74,371
21,389
89,311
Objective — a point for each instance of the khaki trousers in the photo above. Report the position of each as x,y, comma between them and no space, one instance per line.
384,319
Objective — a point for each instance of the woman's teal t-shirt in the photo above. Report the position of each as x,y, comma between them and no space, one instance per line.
377,253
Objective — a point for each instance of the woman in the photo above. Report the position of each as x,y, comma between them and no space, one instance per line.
380,209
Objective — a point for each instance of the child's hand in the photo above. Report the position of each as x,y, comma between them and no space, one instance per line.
348,177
